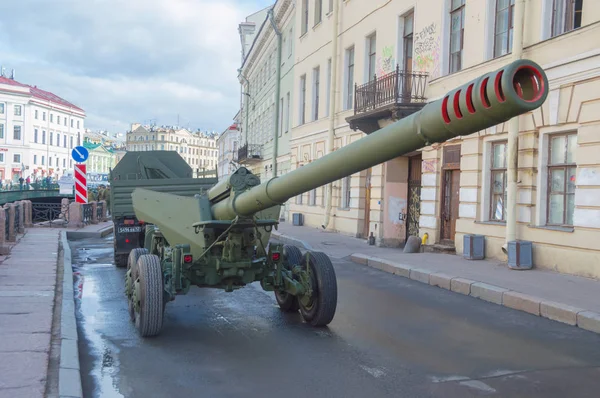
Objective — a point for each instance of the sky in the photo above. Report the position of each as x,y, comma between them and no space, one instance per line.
126,61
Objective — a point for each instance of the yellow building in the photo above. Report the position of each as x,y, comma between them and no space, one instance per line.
394,56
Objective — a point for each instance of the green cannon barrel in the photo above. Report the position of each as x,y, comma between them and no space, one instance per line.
491,99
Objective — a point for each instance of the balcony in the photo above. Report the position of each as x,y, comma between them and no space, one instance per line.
394,96
250,154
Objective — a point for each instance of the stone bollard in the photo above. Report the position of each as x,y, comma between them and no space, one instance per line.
12,236
75,215
29,214
94,212
4,248
21,229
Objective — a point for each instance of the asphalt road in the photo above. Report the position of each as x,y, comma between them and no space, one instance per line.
391,337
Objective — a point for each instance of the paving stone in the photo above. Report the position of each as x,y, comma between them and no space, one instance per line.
461,285
559,312
440,279
26,323
20,369
487,292
421,275
359,258
521,302
35,391
20,307
589,320
15,342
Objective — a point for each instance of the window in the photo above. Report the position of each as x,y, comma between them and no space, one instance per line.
17,133
35,114
65,120
503,34
44,116
328,94
43,160
566,16
2,157
349,78
290,42
17,158
51,118
17,110
64,163
330,6
457,28
65,141
316,88
287,112
49,161
304,27
345,193
57,139
301,116
1,109
35,135
371,55
312,197
78,124
51,138
34,159
498,182
71,122
58,119
43,136
71,142
1,131
281,124
318,11
561,179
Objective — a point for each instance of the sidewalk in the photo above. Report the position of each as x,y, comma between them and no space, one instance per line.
564,298
28,284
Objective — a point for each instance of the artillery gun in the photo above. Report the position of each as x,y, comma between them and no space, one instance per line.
220,238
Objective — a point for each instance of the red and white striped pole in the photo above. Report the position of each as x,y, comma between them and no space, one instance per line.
80,184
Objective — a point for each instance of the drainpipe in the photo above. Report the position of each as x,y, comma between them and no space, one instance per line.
513,136
247,105
277,90
332,97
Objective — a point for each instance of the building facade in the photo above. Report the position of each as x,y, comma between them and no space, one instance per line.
38,129
198,149
388,61
101,158
464,181
228,144
266,76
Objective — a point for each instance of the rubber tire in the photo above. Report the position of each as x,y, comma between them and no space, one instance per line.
132,260
324,284
286,301
150,318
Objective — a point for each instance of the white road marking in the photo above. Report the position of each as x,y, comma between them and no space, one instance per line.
478,385
448,378
377,373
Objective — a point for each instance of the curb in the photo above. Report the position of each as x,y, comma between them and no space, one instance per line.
584,319
69,377
76,235
290,240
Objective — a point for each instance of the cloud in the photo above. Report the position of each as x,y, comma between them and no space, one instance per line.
134,60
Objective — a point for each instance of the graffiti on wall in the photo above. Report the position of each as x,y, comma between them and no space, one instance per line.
429,166
385,62
427,50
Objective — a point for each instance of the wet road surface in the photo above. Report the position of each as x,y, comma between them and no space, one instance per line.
391,337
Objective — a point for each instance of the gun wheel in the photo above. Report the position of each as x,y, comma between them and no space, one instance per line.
287,302
150,308
131,277
319,308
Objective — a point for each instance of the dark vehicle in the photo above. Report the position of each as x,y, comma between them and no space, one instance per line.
162,171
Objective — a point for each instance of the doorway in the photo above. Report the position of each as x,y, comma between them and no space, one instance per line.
450,193
414,196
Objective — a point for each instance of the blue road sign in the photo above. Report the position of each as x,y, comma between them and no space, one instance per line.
80,154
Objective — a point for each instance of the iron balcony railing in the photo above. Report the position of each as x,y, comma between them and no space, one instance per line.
397,87
249,151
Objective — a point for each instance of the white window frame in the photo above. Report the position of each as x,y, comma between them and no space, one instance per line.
20,158
316,88
485,193
347,87
328,88
542,175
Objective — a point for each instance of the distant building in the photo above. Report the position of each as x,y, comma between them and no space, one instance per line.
38,129
101,158
198,149
228,144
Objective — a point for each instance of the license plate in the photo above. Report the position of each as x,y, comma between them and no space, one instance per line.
125,230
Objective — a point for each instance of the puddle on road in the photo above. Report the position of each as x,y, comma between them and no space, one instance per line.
105,368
